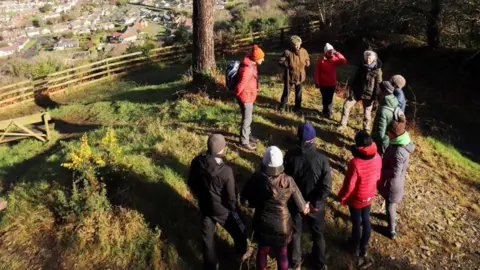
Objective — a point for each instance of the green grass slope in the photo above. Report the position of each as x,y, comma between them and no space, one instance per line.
153,222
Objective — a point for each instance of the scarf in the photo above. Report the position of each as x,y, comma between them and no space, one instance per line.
371,66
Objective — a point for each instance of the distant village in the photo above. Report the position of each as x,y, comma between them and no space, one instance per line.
28,27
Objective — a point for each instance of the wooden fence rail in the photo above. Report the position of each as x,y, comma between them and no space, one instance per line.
106,69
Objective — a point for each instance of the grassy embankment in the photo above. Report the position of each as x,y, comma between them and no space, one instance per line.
159,135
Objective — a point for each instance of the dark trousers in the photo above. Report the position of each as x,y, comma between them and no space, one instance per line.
327,98
361,227
316,222
233,225
298,95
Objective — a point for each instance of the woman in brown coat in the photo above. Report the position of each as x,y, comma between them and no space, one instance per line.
269,191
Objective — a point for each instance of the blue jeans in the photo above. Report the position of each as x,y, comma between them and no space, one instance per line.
360,225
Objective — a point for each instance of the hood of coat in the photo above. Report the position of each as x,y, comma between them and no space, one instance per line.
208,163
403,139
247,61
389,101
409,147
307,147
364,152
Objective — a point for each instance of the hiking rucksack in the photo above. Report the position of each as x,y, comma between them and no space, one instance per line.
231,74
398,114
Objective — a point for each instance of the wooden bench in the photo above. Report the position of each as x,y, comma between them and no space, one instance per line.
16,129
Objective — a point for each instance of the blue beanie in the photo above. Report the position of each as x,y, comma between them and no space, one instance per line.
306,132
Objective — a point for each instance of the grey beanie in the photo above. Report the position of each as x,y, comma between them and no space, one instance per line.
216,143
387,87
398,81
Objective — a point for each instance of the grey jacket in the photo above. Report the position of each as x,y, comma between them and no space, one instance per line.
394,169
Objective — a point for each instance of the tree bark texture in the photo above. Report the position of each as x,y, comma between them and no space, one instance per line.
203,38
433,24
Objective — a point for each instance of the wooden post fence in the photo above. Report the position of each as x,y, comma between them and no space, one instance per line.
107,69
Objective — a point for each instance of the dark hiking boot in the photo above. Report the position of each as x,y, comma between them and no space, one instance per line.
362,253
249,146
297,110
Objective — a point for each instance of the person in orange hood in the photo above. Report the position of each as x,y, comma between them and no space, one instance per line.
246,93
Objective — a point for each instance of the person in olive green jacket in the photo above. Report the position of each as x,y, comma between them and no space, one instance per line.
384,117
295,60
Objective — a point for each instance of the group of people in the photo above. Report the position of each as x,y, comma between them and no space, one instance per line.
288,191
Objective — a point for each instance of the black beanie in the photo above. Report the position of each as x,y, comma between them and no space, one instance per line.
363,139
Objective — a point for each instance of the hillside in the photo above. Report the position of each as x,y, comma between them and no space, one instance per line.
153,222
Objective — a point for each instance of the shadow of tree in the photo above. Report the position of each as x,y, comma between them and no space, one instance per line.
151,95
154,74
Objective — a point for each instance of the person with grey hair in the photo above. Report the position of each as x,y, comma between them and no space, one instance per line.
294,60
364,88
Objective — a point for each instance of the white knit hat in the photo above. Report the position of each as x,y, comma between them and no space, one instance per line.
370,53
273,160
327,47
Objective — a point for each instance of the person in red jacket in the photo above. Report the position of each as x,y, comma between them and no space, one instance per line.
360,187
326,76
246,92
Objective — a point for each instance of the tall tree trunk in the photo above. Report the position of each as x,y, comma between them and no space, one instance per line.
203,42
433,24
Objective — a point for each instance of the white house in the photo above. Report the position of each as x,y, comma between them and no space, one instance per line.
128,36
46,31
84,30
107,26
64,43
50,16
6,51
33,32
60,28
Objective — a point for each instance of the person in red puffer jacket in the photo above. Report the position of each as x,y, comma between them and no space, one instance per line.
326,76
360,187
246,93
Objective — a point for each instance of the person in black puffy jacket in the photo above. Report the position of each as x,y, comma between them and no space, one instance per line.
212,182
311,172
269,191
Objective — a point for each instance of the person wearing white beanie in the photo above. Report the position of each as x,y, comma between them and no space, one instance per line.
269,191
326,76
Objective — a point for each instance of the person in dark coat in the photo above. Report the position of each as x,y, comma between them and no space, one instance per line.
269,191
364,87
294,60
398,82
394,170
311,171
359,189
212,182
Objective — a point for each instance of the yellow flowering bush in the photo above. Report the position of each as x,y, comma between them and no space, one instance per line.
91,167
87,162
